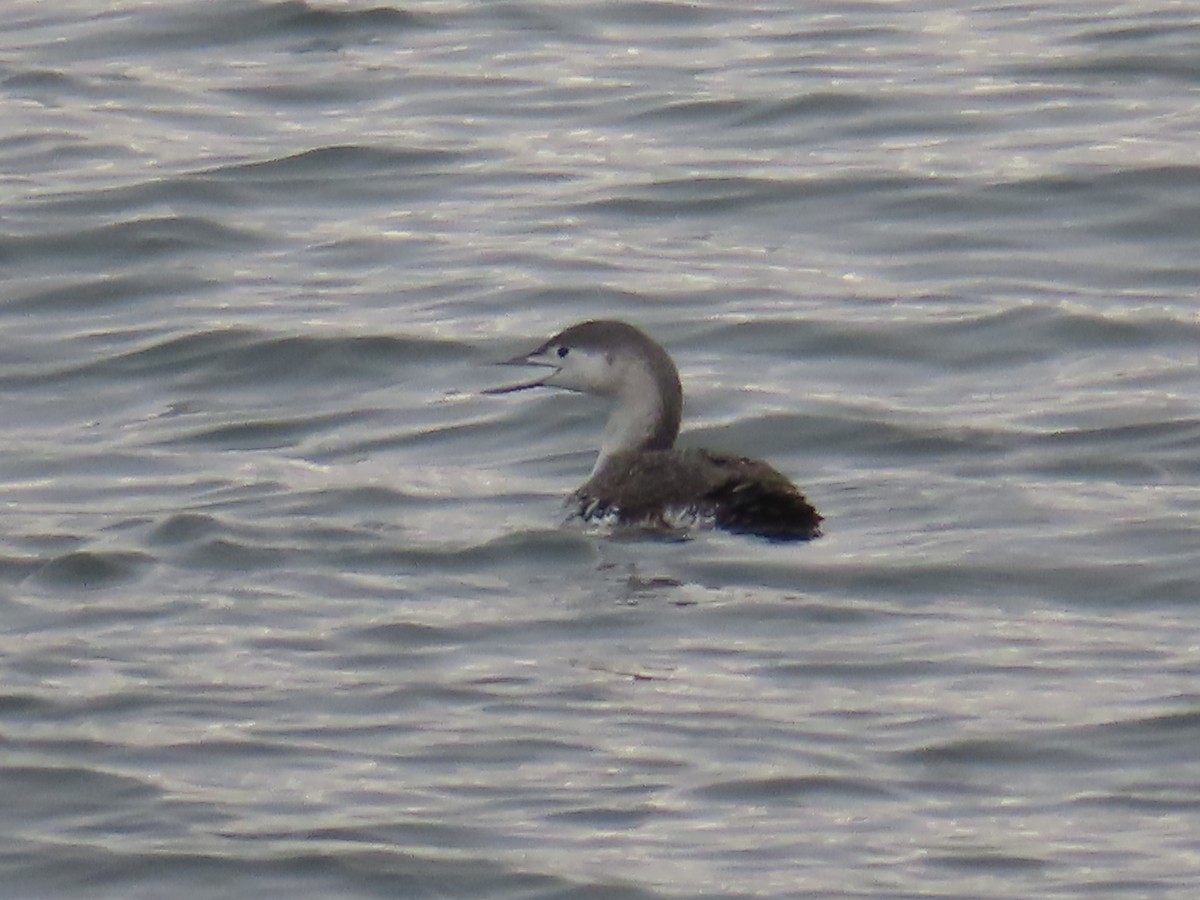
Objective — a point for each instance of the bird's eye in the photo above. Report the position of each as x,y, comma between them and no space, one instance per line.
563,351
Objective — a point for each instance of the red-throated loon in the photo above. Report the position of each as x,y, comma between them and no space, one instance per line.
640,478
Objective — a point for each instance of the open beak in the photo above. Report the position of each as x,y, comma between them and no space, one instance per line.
527,360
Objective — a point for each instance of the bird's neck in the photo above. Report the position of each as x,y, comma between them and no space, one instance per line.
646,417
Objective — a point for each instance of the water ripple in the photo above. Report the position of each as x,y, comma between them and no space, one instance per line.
291,608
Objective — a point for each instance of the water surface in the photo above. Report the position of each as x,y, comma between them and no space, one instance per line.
290,608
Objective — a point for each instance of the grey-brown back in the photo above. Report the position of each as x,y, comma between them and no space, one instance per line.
739,494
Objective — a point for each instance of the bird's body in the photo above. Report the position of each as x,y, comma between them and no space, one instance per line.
640,477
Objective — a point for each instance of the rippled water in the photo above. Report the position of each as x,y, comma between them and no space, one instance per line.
290,608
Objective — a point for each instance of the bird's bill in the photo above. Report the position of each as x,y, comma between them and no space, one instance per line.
510,388
524,385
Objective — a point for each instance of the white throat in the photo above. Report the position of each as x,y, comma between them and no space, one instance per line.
637,420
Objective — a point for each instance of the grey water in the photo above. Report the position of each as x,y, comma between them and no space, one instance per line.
289,609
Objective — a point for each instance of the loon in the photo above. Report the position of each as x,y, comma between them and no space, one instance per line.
640,478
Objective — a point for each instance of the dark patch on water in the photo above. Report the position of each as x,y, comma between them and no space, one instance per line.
87,570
